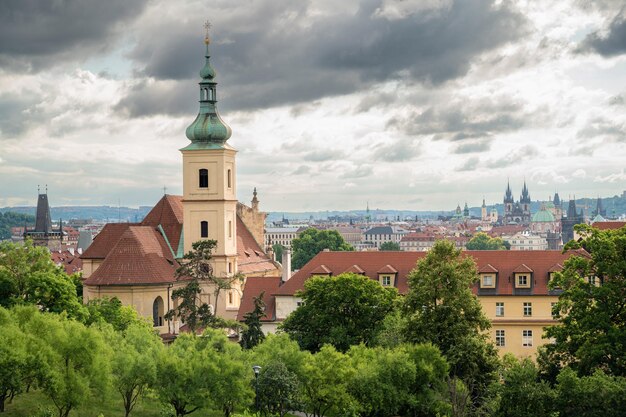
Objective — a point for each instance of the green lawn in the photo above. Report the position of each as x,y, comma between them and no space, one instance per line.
26,405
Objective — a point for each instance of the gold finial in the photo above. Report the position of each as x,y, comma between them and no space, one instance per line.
207,26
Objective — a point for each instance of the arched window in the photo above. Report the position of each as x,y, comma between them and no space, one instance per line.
229,178
204,229
203,178
157,312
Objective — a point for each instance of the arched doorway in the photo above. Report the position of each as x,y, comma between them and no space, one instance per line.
157,312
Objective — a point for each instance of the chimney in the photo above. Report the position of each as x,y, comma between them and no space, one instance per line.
71,251
80,251
286,264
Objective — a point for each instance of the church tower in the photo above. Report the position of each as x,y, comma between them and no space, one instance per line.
209,182
483,212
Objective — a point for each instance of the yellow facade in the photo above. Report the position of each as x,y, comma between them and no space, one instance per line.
516,316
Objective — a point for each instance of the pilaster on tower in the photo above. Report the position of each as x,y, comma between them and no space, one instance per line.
209,178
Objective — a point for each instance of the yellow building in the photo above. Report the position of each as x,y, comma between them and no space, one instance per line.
137,262
513,288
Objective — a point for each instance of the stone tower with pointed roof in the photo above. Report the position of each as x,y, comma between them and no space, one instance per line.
209,183
43,234
516,212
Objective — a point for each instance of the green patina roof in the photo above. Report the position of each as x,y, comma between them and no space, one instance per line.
543,216
208,129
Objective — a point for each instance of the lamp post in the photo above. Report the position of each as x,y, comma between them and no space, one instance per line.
256,369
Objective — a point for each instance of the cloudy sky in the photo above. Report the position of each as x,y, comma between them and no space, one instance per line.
406,104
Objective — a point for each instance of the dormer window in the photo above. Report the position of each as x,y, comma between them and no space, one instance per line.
522,280
203,178
487,281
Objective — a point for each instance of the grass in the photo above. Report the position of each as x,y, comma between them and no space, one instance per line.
27,405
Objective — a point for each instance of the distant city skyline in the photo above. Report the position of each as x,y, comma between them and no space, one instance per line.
412,105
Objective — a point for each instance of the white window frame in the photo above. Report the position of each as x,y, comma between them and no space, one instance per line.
527,338
500,309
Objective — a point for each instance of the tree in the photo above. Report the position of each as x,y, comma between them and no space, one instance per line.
281,348
442,310
522,393
253,334
134,362
389,246
11,219
312,241
597,395
482,241
111,310
278,389
278,252
344,310
28,276
196,269
592,307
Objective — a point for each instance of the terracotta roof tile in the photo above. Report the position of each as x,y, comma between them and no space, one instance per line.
522,268
504,261
355,269
610,225
168,213
105,240
254,287
250,257
321,270
557,267
140,256
387,269
487,268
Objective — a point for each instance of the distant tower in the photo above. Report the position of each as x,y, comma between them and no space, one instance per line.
573,218
209,183
483,212
525,204
599,209
43,234
508,202
466,210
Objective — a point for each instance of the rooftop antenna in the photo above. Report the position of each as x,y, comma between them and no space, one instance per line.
164,190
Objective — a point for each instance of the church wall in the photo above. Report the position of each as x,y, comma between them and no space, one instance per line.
90,266
254,221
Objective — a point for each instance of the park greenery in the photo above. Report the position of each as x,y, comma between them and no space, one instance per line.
312,241
366,351
389,246
11,219
482,241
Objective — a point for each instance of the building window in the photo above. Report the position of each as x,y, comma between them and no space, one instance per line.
204,229
157,312
229,178
230,298
522,281
527,337
500,341
487,281
528,309
203,178
386,280
499,309
230,228
230,267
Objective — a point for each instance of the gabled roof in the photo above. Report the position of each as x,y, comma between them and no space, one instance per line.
105,240
355,269
168,213
609,225
140,256
250,256
320,270
487,268
522,268
387,269
380,230
557,267
254,287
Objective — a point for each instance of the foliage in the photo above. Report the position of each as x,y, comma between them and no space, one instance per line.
280,348
278,390
482,241
253,334
597,395
196,269
389,246
11,219
523,394
196,372
392,330
344,310
325,377
592,330
111,310
312,241
28,276
278,252
442,310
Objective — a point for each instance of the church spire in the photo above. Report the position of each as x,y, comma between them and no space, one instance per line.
208,130
508,196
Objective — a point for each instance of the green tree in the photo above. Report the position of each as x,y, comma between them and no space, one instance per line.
312,241
11,219
253,334
389,246
278,252
28,276
278,390
596,395
325,377
197,271
133,362
111,310
280,348
442,310
523,394
482,241
592,307
344,310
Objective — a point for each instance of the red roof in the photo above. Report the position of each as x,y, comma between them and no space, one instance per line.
487,268
254,287
250,256
556,268
505,262
522,268
387,269
612,225
355,269
168,213
71,262
140,256
105,240
320,270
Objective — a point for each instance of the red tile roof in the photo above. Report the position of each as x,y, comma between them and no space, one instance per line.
611,225
387,269
71,262
487,268
355,269
105,240
522,268
250,256
140,256
505,262
168,213
321,270
556,268
254,287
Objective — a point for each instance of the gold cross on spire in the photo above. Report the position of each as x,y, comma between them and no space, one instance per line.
207,26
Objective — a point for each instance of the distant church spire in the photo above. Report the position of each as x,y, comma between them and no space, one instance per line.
208,130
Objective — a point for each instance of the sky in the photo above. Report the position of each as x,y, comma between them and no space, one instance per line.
399,104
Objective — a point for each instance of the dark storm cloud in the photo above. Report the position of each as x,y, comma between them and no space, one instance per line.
32,31
147,99
611,43
474,120
297,55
